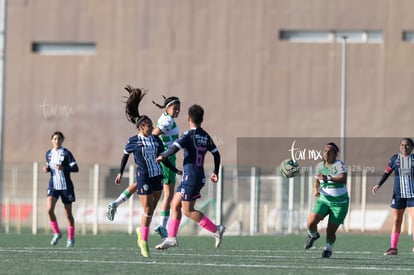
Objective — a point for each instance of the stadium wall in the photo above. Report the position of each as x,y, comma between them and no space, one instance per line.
225,55
229,56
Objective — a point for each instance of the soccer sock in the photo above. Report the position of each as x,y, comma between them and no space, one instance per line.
123,197
55,227
71,232
145,232
394,239
165,215
173,227
207,224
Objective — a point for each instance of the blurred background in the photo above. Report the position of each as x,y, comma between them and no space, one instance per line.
278,69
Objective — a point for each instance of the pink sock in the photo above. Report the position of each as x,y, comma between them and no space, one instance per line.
55,227
207,224
145,232
71,232
173,226
394,239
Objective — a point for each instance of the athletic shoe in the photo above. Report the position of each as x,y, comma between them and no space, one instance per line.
70,243
111,211
326,253
167,243
219,234
311,240
143,245
160,230
391,251
139,237
144,248
56,238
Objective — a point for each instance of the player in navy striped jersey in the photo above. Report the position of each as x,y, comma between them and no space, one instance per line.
149,175
60,163
168,131
195,142
402,165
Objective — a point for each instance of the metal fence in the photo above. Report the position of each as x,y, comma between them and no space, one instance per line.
247,202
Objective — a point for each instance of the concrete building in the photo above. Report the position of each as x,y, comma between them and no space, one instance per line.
261,69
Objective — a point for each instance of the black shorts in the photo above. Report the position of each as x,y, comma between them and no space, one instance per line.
67,196
147,185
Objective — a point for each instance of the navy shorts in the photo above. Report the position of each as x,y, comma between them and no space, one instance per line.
67,196
190,187
401,203
147,185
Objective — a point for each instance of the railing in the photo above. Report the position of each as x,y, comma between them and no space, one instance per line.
247,203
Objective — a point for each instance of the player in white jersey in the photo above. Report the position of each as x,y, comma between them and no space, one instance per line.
168,131
402,165
330,189
60,163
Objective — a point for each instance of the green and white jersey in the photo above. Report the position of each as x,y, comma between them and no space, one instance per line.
169,129
332,191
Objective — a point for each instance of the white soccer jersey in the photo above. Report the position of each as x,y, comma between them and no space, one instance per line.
169,129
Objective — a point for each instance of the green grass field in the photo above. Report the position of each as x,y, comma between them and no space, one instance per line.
119,254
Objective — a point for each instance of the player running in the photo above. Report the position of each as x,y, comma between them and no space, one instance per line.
195,143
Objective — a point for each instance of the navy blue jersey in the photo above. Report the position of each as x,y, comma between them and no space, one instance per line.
145,150
403,168
195,143
60,179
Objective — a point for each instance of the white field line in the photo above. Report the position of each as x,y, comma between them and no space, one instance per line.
278,254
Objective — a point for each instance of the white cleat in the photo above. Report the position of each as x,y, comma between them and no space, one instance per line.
70,243
219,234
167,243
56,238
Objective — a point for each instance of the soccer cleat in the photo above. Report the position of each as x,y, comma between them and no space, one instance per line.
309,242
167,243
144,248
326,253
391,251
56,238
143,245
111,211
219,234
70,243
160,230
139,237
